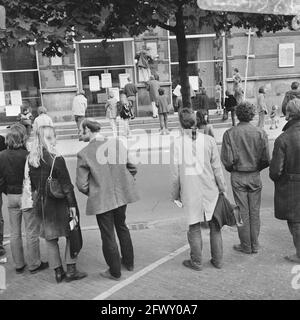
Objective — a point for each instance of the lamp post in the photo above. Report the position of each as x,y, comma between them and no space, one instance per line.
2,18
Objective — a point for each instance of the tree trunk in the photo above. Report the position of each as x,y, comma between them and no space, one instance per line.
183,59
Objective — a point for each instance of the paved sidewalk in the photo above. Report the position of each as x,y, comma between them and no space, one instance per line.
265,275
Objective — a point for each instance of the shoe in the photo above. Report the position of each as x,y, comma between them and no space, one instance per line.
60,274
254,251
191,265
43,266
106,274
216,265
292,258
239,248
128,267
73,274
2,251
21,270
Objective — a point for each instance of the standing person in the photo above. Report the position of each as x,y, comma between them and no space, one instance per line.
218,99
130,90
274,117
163,110
54,214
230,105
110,186
202,123
2,190
25,118
237,86
285,172
111,110
12,164
197,180
245,152
152,87
79,106
125,113
201,102
290,95
42,119
261,107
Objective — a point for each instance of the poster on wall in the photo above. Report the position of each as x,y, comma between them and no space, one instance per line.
123,79
69,78
152,49
286,55
194,82
2,99
106,81
102,98
12,111
16,97
94,83
116,92
56,61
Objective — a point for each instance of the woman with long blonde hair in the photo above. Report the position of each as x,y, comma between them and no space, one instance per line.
54,213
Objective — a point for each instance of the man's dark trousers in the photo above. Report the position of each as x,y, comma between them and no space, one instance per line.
108,222
295,231
1,224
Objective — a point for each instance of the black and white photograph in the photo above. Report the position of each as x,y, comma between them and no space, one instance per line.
149,154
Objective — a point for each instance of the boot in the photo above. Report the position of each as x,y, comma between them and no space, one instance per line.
73,273
59,274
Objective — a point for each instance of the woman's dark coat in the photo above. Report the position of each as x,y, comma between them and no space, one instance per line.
285,172
53,213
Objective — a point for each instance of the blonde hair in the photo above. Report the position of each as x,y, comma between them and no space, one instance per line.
39,143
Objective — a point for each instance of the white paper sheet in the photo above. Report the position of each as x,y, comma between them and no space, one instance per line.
194,82
116,92
16,97
106,81
94,83
123,79
69,77
56,61
12,111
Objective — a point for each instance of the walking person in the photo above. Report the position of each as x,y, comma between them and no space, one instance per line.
130,90
2,190
238,91
152,87
201,102
230,106
12,164
111,110
79,106
197,180
25,118
110,187
125,113
294,93
163,110
218,99
54,214
245,152
285,172
261,107
42,119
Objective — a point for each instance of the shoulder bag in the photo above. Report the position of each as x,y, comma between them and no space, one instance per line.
53,187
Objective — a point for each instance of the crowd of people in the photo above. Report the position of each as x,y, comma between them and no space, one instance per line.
37,183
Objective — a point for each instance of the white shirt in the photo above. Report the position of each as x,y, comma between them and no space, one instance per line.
42,120
79,105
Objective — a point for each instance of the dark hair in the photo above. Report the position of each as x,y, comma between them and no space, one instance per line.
236,69
187,118
245,111
161,91
227,93
261,90
200,117
16,136
93,125
295,85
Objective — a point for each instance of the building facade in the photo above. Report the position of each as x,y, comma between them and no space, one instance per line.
27,78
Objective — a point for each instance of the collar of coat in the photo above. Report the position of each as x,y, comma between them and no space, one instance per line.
290,123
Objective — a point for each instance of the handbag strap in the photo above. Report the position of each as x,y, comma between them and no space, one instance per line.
51,171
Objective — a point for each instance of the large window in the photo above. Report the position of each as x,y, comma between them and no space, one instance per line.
19,80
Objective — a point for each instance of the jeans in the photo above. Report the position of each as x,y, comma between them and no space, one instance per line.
78,120
154,109
163,120
54,254
195,241
108,222
1,224
32,230
295,231
246,187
